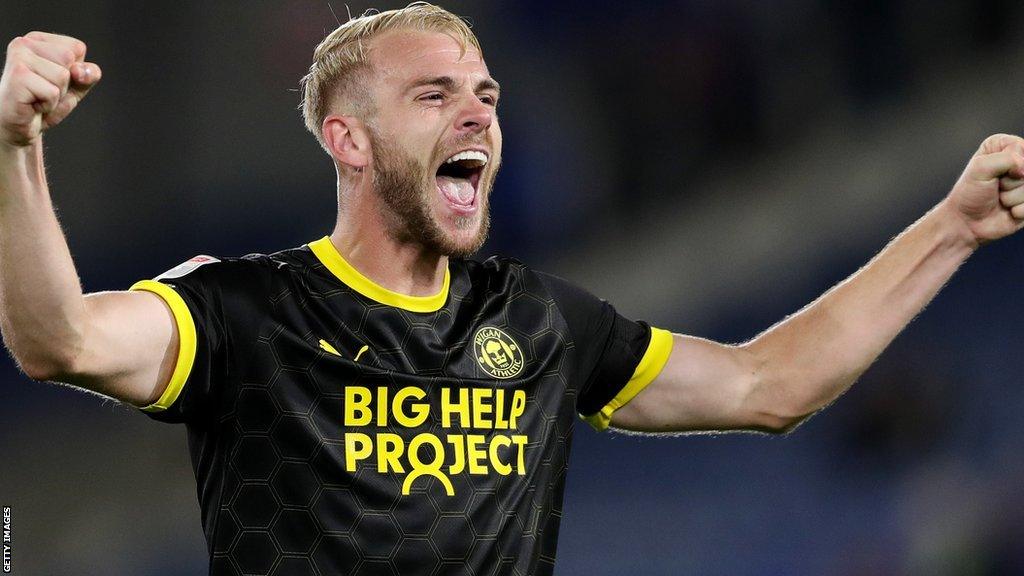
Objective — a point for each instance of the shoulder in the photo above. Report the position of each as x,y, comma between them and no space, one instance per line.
511,276
577,305
207,269
250,272
500,271
494,264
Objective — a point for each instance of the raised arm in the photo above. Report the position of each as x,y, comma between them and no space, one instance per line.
804,362
120,344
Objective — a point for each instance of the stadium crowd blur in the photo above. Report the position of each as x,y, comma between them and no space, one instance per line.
707,166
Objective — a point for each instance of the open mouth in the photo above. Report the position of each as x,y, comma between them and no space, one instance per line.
458,178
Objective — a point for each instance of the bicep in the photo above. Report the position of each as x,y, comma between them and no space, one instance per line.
703,386
130,346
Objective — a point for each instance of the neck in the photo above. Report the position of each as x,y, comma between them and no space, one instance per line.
361,238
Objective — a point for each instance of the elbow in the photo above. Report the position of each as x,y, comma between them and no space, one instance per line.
37,369
49,364
783,415
46,368
779,415
782,425
46,355
772,406
40,373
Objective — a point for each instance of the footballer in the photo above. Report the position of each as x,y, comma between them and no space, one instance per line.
376,401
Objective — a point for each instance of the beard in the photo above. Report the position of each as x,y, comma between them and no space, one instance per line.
407,189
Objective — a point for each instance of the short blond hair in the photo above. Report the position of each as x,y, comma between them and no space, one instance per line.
341,58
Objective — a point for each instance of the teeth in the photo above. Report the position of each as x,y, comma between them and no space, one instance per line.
468,155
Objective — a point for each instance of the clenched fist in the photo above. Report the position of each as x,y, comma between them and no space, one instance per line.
44,78
989,196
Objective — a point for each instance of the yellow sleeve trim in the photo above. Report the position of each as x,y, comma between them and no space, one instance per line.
654,359
186,342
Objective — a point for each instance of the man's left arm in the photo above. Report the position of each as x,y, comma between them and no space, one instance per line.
800,365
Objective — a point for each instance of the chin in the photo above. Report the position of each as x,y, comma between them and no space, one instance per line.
462,245
461,237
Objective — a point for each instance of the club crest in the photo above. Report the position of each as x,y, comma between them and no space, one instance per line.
497,353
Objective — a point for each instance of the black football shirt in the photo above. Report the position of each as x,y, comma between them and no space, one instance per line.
336,427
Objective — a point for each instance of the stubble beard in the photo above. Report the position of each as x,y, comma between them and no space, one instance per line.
406,188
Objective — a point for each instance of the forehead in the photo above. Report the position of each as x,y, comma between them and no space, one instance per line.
398,56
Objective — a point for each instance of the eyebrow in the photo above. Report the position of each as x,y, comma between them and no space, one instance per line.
451,85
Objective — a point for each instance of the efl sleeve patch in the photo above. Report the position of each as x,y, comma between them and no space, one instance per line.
187,267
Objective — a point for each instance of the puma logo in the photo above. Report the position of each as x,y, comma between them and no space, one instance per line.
332,350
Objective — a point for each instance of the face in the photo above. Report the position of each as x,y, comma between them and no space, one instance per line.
434,140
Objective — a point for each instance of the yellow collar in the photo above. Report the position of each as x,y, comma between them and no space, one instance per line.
330,257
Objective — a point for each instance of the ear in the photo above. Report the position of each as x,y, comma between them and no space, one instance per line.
347,139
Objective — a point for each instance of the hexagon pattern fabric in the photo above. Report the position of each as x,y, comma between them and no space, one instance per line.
334,431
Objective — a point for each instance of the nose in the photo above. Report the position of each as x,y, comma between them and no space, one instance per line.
475,116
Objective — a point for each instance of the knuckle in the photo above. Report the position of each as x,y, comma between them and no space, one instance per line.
19,68
78,47
68,57
16,42
36,35
65,76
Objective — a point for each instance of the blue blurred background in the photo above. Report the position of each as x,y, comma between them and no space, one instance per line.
707,166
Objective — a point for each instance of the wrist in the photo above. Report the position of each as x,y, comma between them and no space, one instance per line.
952,222
22,176
17,162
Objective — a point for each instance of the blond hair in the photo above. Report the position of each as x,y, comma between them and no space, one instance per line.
340,60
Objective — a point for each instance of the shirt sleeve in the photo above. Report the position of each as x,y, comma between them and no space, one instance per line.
190,291
618,357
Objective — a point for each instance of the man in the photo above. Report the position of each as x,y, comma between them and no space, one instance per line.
375,402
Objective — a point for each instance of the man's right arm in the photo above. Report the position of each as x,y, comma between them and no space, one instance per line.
120,344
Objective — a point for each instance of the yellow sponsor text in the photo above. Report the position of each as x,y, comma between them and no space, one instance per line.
481,408
435,455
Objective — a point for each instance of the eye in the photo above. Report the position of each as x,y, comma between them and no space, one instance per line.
489,100
432,97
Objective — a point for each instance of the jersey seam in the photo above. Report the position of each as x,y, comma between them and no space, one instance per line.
236,383
571,347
